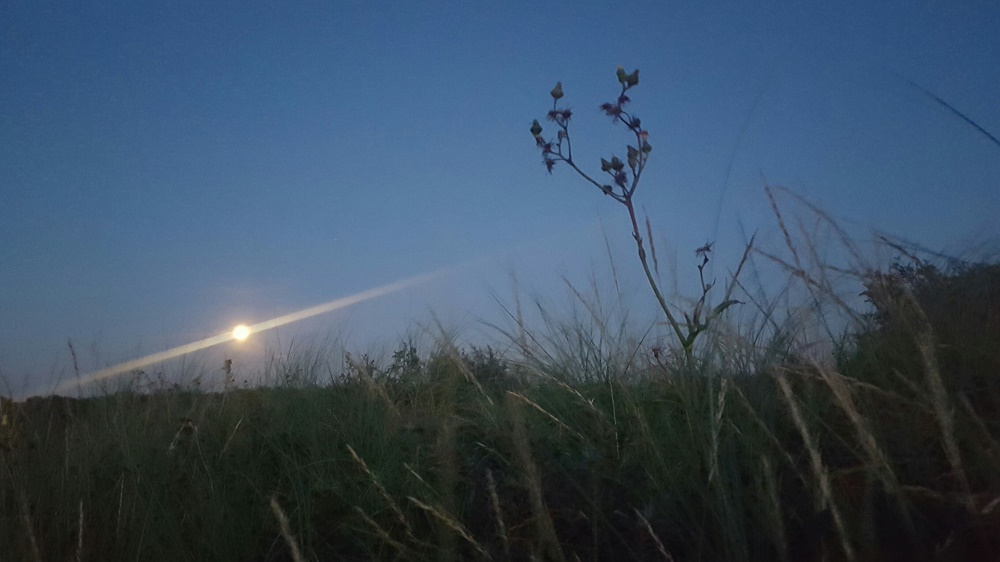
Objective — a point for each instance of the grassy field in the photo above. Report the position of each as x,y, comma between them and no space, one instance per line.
578,446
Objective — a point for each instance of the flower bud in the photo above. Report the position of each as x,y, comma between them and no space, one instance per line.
557,92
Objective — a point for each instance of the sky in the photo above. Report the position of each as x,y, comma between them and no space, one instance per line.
171,169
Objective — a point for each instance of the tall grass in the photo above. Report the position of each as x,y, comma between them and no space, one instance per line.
584,441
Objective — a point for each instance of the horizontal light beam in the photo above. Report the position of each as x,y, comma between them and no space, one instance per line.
171,353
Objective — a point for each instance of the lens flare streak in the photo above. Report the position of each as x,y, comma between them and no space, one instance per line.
253,328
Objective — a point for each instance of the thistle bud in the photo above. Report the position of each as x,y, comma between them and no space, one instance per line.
632,79
620,73
536,128
557,92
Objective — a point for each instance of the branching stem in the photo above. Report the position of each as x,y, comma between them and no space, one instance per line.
637,156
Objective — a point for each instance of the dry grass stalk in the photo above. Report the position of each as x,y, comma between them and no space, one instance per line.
286,531
66,455
924,337
230,440
381,490
380,532
781,225
842,394
990,506
652,247
444,451
557,421
593,307
648,436
563,385
780,539
452,524
594,304
871,388
811,284
76,368
543,521
26,515
796,269
913,387
819,468
659,544
770,434
522,332
121,500
417,476
497,512
993,450
79,535
371,384
841,234
455,356
717,430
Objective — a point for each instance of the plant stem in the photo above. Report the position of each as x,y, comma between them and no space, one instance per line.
652,281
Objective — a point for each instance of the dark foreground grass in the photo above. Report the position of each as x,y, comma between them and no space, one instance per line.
886,451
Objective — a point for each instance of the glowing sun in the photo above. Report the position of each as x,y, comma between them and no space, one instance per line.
241,332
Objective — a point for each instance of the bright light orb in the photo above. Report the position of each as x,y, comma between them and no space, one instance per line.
241,332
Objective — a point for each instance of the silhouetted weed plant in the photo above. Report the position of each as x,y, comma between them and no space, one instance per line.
621,187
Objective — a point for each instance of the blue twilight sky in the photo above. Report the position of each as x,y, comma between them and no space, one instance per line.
170,169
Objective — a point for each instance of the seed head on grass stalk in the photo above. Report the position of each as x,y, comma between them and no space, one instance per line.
286,530
623,180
